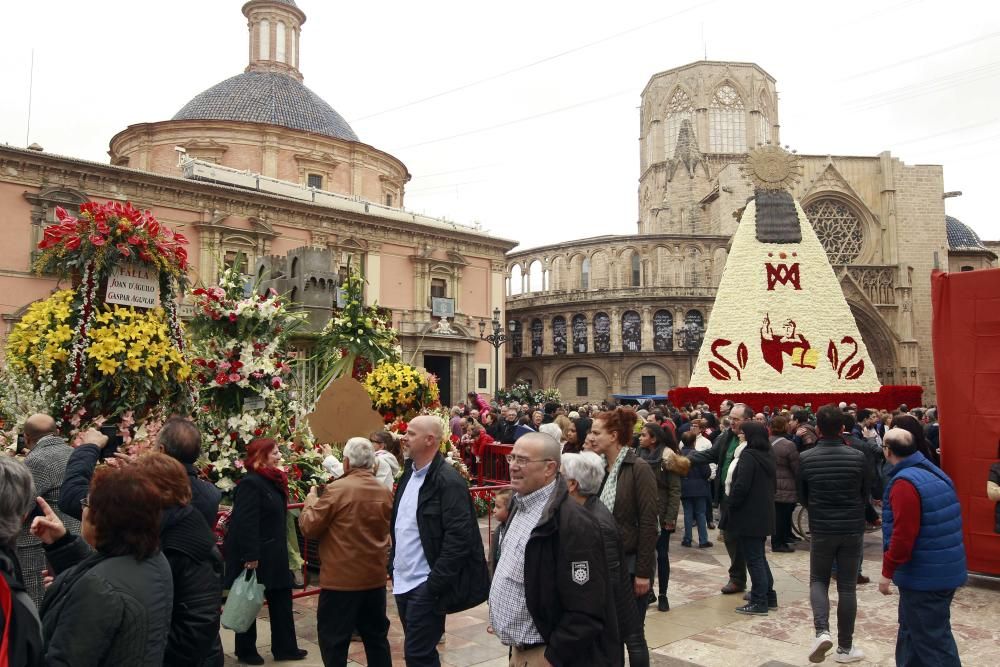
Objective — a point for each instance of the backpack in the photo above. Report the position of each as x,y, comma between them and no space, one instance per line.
21,641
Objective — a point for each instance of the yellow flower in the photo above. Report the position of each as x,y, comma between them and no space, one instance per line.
108,366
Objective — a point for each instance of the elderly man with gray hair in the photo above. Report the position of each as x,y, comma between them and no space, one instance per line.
584,473
351,521
19,625
550,600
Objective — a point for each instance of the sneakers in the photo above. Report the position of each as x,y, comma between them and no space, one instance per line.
752,609
821,646
853,654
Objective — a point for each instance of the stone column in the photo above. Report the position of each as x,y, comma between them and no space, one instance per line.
647,330
616,331
373,272
546,335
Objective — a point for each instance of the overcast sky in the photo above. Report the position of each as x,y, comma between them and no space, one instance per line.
540,141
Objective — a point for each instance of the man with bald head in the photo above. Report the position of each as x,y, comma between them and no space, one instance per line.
437,562
46,459
550,600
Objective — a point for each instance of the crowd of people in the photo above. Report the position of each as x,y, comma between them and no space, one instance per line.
118,564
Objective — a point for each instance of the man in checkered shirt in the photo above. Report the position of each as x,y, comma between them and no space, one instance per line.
550,600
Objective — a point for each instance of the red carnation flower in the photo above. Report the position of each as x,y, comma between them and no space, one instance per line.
221,378
276,383
235,377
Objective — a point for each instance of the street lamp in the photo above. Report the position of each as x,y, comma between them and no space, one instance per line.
496,339
690,337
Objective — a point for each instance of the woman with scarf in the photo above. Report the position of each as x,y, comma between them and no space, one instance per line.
256,541
629,493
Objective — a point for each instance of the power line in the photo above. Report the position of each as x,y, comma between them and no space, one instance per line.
926,87
546,59
456,171
520,120
921,56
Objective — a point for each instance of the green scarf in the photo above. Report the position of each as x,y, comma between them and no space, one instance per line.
610,489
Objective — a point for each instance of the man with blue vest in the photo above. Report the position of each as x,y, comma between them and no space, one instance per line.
923,553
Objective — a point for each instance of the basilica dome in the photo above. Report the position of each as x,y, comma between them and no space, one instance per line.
268,97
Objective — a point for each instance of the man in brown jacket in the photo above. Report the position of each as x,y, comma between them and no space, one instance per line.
351,521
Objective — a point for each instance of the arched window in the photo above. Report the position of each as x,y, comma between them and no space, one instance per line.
631,331
264,39
727,131
536,337
694,317
585,273
679,109
694,330
279,42
517,339
636,272
838,227
535,277
295,267
602,333
579,334
559,335
663,331
763,122
516,280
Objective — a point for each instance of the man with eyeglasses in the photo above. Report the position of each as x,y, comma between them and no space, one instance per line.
722,452
437,562
550,600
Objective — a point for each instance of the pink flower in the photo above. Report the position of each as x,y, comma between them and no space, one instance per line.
235,377
98,240
276,383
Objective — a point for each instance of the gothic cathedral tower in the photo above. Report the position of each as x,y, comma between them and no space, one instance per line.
697,124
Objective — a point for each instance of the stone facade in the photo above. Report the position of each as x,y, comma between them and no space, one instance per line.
403,257
881,221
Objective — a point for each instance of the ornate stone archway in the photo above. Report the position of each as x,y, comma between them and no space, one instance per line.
880,341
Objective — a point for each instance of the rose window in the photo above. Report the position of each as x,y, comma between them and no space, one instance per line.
838,229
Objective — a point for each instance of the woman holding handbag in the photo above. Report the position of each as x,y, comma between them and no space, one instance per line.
256,541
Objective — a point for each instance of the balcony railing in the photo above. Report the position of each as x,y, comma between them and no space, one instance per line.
550,297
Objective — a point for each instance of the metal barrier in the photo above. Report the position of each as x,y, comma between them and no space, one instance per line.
493,468
483,491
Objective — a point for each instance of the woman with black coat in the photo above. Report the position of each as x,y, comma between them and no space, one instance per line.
256,541
195,563
749,512
110,603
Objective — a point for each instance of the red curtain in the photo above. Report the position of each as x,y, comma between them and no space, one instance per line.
966,334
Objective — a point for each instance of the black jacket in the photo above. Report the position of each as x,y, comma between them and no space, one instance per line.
749,511
626,620
105,611
24,636
76,482
566,585
257,532
449,535
505,432
196,567
717,454
833,485
205,496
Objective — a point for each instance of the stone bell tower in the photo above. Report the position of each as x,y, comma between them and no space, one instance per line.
697,124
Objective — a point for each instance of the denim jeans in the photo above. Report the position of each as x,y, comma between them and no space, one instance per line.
422,627
845,551
694,511
761,581
924,638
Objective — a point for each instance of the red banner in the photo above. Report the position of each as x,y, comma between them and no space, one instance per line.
966,334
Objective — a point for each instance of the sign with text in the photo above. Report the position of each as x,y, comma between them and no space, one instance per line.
134,285
442,307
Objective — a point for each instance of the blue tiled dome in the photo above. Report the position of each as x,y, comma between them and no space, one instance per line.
268,97
961,236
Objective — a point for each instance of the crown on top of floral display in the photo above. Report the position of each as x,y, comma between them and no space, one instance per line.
772,168
110,234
